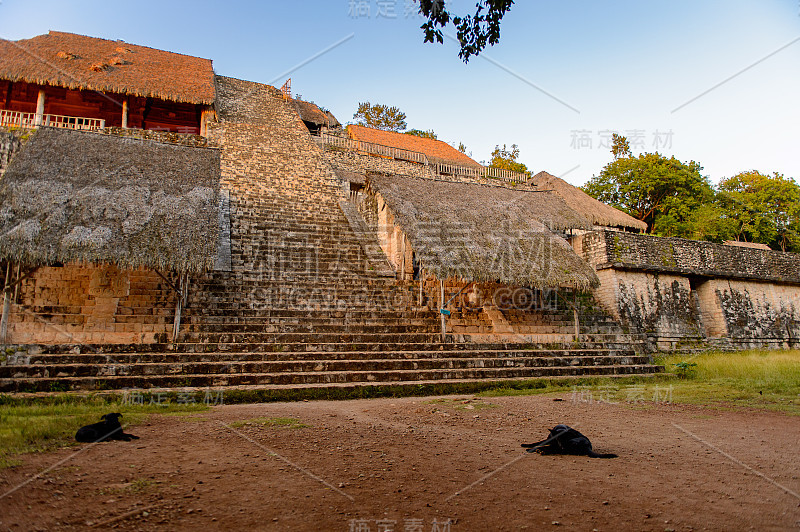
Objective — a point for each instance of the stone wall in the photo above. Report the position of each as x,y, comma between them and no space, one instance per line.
10,141
678,291
79,304
619,250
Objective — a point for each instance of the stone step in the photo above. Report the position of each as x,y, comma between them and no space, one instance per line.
317,326
305,378
275,367
250,333
166,357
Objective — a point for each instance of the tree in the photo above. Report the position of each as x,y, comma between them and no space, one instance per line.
659,191
763,209
380,116
507,159
474,32
620,147
425,134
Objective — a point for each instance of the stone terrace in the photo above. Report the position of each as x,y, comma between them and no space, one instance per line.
310,301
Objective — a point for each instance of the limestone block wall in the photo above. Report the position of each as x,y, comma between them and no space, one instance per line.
674,289
79,304
660,305
362,163
756,310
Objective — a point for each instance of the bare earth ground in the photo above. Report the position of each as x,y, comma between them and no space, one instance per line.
411,465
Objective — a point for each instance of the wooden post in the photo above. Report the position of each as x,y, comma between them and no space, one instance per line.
125,113
441,307
39,118
421,282
182,290
403,267
575,314
6,306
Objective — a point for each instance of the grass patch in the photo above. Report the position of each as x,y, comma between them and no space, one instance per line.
49,423
273,422
766,380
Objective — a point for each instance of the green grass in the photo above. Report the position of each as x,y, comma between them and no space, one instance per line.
767,380
274,422
50,423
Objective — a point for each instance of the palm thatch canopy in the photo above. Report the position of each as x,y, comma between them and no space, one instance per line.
74,196
310,112
81,62
484,233
580,201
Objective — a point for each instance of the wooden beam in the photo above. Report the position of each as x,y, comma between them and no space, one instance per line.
8,95
125,113
6,306
37,121
441,308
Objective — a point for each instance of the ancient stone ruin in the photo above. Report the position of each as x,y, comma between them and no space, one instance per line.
166,227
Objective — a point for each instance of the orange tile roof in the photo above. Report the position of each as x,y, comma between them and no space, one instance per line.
81,62
436,150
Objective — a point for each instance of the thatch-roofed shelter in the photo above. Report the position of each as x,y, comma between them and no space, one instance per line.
73,196
80,62
312,115
485,233
600,213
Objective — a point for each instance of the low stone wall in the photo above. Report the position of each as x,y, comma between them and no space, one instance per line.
683,291
619,250
77,304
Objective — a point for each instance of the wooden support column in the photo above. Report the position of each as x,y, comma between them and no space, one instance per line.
205,115
441,308
6,306
575,315
183,292
39,118
125,113
421,282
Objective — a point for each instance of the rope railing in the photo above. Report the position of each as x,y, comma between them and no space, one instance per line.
380,150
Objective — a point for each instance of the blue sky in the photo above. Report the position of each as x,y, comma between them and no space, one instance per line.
564,75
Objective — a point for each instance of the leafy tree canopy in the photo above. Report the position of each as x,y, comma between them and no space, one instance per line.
419,133
380,116
762,208
507,159
474,32
659,191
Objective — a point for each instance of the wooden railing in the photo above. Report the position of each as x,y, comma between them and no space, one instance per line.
380,150
32,120
373,149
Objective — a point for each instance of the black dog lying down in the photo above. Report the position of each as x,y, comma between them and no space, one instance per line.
565,440
108,429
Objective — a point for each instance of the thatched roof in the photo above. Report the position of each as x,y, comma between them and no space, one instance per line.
81,62
350,176
310,112
74,196
484,233
578,200
435,150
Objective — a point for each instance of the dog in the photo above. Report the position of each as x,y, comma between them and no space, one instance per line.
566,440
108,429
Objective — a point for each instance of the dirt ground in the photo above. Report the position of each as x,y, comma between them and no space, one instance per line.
413,465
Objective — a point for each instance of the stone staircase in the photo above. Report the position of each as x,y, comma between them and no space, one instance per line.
308,303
